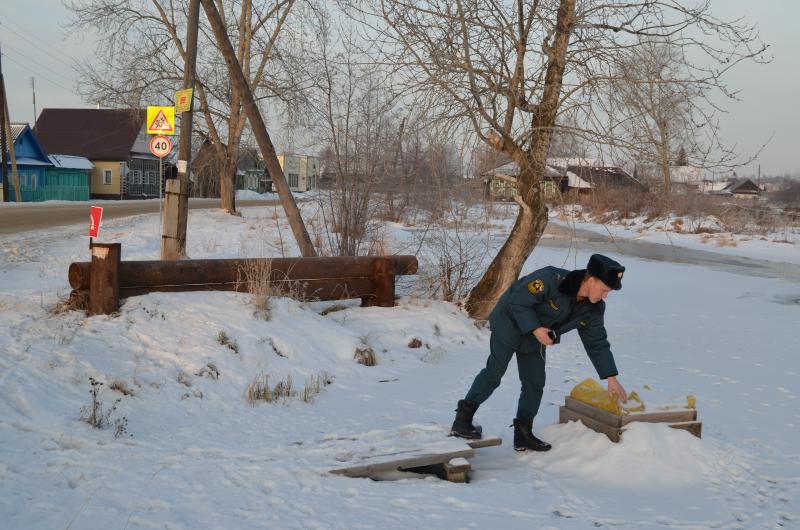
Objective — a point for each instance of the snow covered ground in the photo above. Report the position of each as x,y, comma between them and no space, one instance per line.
696,233
196,454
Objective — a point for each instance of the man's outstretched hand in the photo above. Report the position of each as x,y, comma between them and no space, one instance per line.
616,390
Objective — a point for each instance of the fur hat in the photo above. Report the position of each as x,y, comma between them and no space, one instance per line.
606,270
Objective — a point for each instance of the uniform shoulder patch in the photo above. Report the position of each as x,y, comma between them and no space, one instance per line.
536,286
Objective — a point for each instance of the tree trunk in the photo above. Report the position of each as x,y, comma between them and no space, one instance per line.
227,185
532,218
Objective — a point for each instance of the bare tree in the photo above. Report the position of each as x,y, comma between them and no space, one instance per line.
509,69
352,113
140,56
660,109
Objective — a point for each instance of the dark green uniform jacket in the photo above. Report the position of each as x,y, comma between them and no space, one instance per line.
547,297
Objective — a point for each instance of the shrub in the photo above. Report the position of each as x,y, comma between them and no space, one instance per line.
98,416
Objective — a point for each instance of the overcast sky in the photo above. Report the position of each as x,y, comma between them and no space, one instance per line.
34,44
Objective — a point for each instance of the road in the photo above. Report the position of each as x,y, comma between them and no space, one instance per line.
16,218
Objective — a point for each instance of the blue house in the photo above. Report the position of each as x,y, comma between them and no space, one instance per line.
43,177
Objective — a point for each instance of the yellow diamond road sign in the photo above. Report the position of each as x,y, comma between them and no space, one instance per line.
160,120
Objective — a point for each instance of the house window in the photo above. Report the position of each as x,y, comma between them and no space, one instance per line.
107,177
294,179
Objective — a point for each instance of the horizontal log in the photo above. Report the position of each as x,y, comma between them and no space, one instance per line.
225,271
327,289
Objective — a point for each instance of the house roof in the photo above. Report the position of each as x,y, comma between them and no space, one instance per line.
605,175
71,162
16,130
96,134
744,185
28,149
511,169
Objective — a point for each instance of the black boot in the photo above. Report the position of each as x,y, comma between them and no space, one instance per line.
524,439
462,426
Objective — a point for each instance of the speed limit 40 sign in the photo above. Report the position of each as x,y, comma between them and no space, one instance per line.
160,146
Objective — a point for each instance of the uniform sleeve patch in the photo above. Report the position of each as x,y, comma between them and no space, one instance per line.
536,286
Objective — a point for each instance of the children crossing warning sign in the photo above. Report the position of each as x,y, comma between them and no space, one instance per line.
160,120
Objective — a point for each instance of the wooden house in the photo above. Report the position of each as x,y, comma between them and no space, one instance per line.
45,177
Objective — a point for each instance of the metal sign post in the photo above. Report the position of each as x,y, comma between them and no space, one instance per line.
160,146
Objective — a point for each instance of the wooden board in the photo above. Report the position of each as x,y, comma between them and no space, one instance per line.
456,470
484,442
439,453
566,414
662,416
593,412
615,433
694,427
665,416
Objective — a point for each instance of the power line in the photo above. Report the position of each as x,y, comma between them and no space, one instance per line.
38,74
33,43
47,68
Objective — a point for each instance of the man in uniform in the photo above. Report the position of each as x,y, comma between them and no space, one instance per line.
532,314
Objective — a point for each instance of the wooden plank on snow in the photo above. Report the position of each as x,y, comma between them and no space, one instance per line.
438,453
484,442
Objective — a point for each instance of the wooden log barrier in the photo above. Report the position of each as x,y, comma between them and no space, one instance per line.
371,278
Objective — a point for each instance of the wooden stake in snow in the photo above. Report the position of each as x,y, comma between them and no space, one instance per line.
104,278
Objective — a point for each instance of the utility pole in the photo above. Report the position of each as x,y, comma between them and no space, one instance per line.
33,91
176,205
3,143
260,131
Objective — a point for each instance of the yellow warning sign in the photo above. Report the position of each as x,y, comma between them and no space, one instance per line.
183,100
160,120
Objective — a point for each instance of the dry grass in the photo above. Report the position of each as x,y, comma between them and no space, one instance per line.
365,355
224,340
415,343
75,301
734,215
261,390
257,277
120,386
315,384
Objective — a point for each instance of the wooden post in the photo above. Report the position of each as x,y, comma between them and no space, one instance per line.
383,272
259,131
3,142
104,279
176,205
10,141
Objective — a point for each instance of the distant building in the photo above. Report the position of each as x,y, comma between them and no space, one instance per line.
560,177
301,171
114,140
44,177
742,189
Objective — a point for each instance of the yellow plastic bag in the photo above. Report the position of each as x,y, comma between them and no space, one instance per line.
593,393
